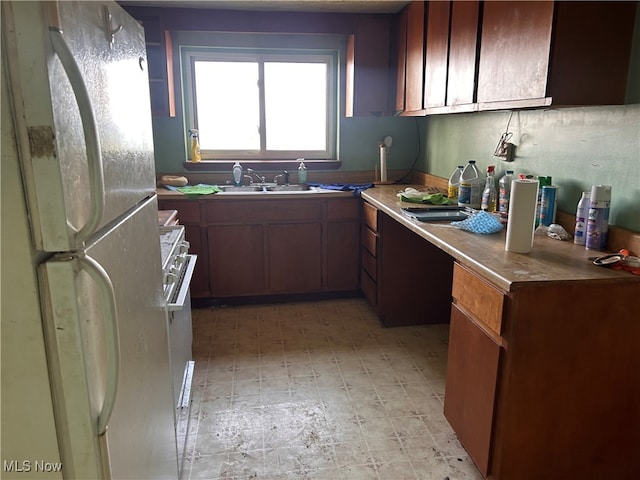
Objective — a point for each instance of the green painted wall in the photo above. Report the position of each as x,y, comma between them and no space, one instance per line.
358,149
578,147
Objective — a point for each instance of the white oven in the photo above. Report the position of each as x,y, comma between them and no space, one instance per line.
177,270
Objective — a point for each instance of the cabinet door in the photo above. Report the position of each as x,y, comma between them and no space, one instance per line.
472,373
294,257
414,80
401,60
515,50
463,45
236,260
435,71
343,242
368,67
200,280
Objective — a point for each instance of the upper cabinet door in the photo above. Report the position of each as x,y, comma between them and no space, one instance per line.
514,53
401,60
367,90
414,81
435,71
463,53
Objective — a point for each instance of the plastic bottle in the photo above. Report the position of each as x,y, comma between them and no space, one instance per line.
505,192
598,217
454,182
237,174
195,146
302,172
542,182
579,234
470,189
489,195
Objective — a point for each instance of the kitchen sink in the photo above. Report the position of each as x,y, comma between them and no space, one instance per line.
263,187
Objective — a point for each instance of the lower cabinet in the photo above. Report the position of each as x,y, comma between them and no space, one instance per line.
288,245
540,384
472,373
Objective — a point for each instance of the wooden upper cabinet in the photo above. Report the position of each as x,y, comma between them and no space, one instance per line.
414,78
562,53
400,51
514,52
437,54
463,54
367,69
159,47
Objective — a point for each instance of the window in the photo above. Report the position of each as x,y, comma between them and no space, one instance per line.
273,104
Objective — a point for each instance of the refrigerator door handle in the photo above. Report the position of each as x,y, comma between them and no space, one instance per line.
89,126
100,276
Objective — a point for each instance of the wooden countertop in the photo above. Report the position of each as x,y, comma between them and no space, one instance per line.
549,261
313,193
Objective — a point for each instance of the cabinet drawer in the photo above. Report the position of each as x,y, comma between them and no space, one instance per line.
188,210
369,240
369,263
479,298
343,209
369,288
370,216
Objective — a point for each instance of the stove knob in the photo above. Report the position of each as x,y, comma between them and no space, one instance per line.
184,247
181,258
170,278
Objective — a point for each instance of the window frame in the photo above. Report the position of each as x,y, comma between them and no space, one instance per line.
331,57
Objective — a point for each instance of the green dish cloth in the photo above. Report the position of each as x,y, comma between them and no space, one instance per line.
194,191
432,198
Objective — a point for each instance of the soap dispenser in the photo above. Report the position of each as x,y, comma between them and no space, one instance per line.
237,174
302,172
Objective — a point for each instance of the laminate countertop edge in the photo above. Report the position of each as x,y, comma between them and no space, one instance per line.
550,261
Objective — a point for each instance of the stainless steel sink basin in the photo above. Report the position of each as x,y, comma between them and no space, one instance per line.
289,188
263,187
240,188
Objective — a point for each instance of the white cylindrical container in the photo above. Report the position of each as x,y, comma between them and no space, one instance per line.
579,234
522,216
598,217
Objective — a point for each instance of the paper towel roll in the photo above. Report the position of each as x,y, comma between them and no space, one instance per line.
522,216
383,163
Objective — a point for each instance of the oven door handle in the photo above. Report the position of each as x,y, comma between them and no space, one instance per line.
183,289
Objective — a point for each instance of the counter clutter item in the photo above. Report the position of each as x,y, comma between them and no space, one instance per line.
522,216
173,181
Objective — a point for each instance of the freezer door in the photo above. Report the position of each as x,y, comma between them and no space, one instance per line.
83,114
132,353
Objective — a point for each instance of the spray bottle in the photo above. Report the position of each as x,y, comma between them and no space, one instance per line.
195,145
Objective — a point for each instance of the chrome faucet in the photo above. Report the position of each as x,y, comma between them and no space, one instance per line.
252,173
284,174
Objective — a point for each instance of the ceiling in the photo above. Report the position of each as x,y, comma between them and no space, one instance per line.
339,6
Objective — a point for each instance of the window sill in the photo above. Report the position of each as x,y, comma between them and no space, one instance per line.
265,165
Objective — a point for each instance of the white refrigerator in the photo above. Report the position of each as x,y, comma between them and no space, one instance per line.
86,375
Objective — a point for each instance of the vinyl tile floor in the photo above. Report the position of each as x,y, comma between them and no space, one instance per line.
318,390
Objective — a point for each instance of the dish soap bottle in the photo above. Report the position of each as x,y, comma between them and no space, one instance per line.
237,174
302,172
195,146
